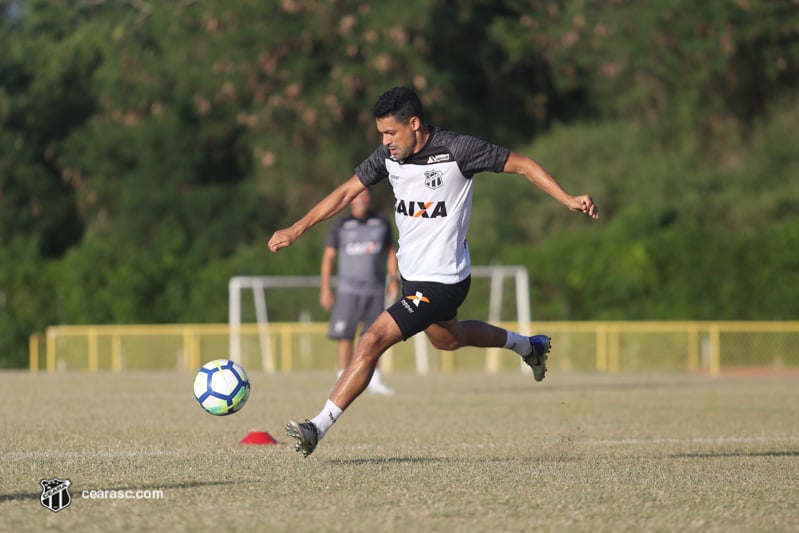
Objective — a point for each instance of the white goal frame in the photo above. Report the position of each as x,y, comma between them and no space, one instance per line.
259,285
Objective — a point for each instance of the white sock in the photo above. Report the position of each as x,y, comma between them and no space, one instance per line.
326,418
518,343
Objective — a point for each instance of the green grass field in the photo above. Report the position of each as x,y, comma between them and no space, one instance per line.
458,452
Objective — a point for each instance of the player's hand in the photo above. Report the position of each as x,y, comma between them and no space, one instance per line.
282,238
585,204
326,299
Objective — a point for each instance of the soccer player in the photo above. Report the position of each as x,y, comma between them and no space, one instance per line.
363,241
430,171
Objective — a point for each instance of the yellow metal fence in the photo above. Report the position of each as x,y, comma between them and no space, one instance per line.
710,347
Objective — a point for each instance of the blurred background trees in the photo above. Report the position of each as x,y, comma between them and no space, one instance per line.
149,148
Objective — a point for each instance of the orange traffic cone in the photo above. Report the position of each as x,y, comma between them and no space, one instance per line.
258,437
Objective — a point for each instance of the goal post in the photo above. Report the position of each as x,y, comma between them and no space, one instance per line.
260,285
497,275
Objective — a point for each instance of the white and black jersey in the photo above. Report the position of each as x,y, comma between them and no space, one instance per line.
433,201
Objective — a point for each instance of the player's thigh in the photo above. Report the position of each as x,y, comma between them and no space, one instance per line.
446,335
381,335
426,303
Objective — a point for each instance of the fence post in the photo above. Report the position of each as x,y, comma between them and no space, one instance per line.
50,347
614,349
116,354
285,349
715,350
602,347
92,350
33,353
693,348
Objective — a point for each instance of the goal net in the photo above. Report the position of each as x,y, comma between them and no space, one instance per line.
292,303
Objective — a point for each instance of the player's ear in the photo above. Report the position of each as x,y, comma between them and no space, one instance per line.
414,123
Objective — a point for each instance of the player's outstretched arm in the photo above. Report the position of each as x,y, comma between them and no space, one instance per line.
329,206
520,164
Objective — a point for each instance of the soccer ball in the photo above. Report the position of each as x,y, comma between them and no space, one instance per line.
221,387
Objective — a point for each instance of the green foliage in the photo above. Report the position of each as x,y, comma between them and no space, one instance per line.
682,238
25,290
665,61
149,149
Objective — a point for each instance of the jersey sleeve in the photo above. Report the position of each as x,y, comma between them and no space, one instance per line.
476,155
373,168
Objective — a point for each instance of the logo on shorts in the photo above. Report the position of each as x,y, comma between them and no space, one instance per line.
418,298
55,494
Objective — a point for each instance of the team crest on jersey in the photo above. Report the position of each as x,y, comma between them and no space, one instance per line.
433,179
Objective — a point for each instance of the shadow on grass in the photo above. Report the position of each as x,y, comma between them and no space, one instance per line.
384,460
450,460
588,387
710,455
540,459
16,496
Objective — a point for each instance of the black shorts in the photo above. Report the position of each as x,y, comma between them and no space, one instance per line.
351,309
424,303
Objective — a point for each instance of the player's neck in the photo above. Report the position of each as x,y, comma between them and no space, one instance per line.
422,136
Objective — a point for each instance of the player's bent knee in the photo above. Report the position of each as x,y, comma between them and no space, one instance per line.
372,345
447,345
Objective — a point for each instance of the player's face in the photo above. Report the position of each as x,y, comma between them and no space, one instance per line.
398,136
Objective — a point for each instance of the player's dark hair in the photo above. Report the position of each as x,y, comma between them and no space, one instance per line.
401,103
